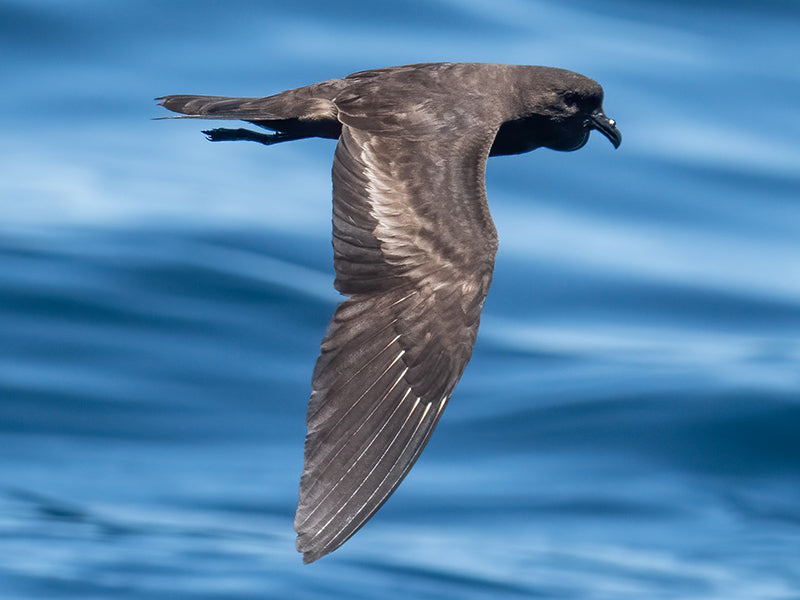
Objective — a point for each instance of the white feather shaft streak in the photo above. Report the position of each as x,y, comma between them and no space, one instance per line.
389,470
360,456
361,426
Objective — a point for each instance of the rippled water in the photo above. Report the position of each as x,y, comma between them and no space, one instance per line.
628,426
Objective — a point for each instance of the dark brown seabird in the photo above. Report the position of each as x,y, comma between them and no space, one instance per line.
414,248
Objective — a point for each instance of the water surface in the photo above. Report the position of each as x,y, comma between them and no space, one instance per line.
627,427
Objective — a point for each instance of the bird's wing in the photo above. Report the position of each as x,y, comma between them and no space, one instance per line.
414,249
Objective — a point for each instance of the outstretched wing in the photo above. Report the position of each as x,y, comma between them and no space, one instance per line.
414,249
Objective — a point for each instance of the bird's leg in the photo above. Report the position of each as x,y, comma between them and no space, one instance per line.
232,135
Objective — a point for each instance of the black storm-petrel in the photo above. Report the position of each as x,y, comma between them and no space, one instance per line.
413,250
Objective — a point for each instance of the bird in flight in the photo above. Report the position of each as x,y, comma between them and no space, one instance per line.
413,249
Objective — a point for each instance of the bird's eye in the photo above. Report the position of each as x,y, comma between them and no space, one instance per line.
571,98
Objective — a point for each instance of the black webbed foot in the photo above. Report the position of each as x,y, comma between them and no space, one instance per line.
235,135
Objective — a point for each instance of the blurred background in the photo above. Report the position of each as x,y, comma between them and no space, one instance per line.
628,426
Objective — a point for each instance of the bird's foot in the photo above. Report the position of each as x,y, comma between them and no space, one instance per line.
234,135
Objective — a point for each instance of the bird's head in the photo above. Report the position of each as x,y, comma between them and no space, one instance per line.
569,109
556,109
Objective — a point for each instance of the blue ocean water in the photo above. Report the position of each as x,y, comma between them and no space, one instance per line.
628,426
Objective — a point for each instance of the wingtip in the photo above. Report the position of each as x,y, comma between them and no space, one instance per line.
309,554
308,544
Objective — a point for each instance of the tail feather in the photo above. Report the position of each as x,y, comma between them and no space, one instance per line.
222,107
309,103
302,112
